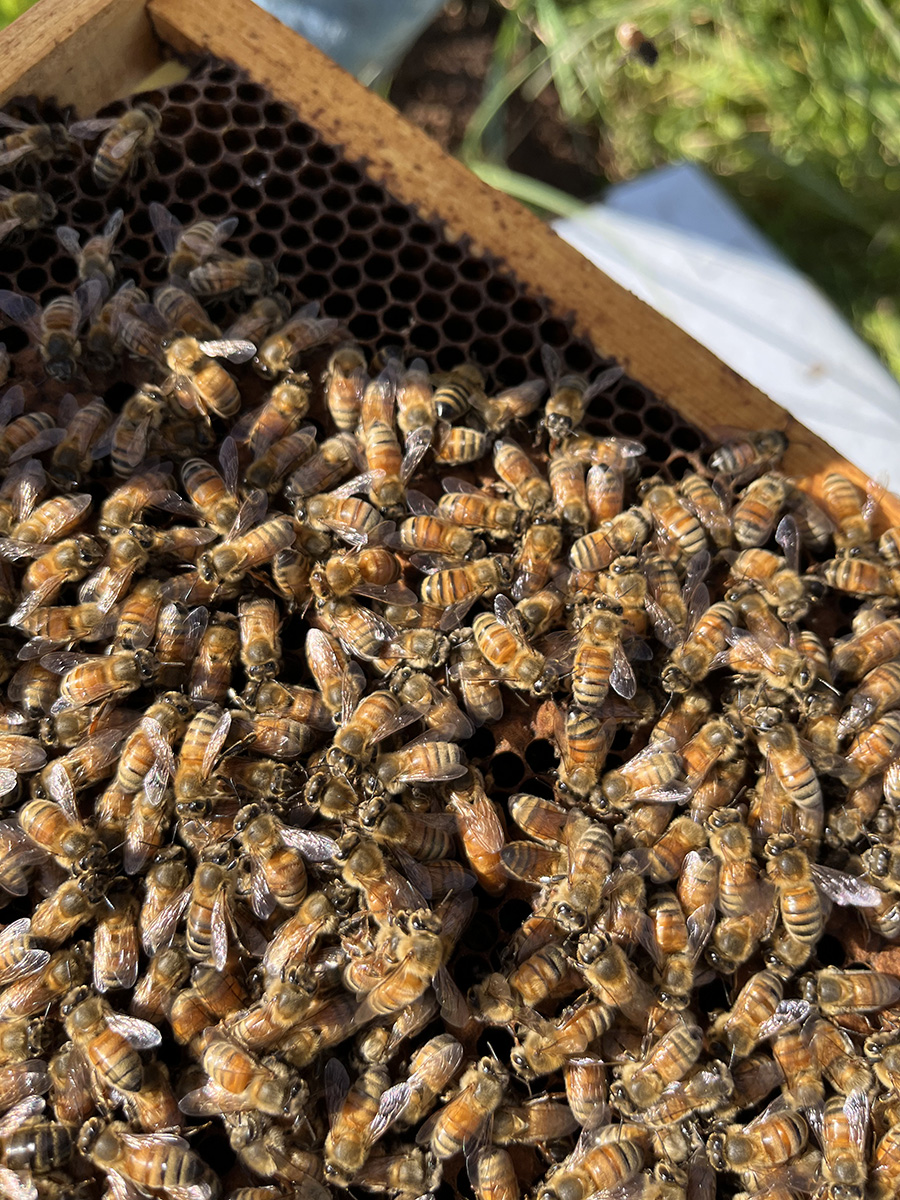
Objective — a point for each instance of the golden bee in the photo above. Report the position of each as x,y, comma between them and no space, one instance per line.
126,140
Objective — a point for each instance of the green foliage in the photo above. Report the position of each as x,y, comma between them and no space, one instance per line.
794,103
10,9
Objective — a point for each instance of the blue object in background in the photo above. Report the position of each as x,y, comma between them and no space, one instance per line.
365,37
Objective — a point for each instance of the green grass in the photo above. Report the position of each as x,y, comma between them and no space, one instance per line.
10,9
794,104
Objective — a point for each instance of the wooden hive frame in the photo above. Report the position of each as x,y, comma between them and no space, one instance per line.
90,52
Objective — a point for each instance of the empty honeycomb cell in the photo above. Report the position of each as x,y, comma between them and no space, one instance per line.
425,235
182,93
361,216
378,266
217,93
246,197
167,160
212,116
321,258
507,770
224,176
312,178
13,259
510,371
264,246
540,755
365,328
255,166
397,316
579,357
290,264
439,276
628,424
336,305
601,408
412,258
245,115
64,270
296,237
189,185
303,207
485,351
13,338
321,153
490,320
457,328
156,191
213,205
466,299
431,307
299,133
269,139
270,216
42,248
405,287
518,340
353,248
631,398
474,269
686,438
527,311
424,338
31,279
278,187
658,418
237,140
481,933
177,121
251,93
372,297
501,290
329,228
346,173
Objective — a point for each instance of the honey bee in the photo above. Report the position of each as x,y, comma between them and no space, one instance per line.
229,561
351,1135
571,395
859,577
855,656
197,381
600,661
456,1125
501,638
94,259
875,747
165,974
884,1170
37,143
679,940
239,1082
108,1040
373,571
454,391
95,678
345,380
770,1140
668,1061
24,210
475,510
296,937
450,586
213,665
302,331
37,993
706,502
837,992
607,1160
623,534
851,514
432,534
756,512
419,762
56,327
127,139
331,462
223,276
116,946
512,404
745,457
276,852
741,1026
454,445
260,645
477,683
188,248
878,692
796,881
153,1162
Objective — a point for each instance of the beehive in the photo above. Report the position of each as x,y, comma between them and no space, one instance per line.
343,232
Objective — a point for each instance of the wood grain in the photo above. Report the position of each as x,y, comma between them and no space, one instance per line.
82,52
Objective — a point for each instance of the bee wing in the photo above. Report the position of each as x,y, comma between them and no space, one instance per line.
250,513
90,295
414,872
160,931
69,239
387,593
216,742
552,364
12,549
353,684
455,613
390,1108
210,1101
622,677
139,1034
697,570
313,846
8,780
262,902
125,144
788,538
406,716
417,444
24,964
667,631
454,1007
700,925
12,405
506,612
115,960
6,227
89,129
8,157
337,1085
453,484
219,927
419,504
228,460
601,383
232,351
20,309
31,481
19,1114
45,440
16,1187
359,483
858,1108
845,889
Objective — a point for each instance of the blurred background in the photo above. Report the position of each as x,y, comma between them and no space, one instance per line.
792,106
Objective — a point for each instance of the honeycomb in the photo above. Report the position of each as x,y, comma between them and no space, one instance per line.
336,235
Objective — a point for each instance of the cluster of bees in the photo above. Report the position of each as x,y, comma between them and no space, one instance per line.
243,841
